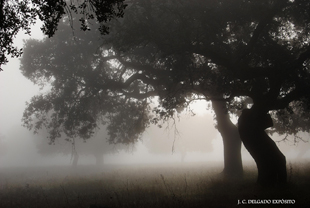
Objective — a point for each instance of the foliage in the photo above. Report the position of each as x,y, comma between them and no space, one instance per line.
97,146
82,94
178,51
242,52
293,119
19,15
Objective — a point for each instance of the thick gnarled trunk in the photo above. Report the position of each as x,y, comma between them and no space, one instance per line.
231,141
270,161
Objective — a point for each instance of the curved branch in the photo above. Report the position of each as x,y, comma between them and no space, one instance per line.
285,101
141,96
279,5
141,77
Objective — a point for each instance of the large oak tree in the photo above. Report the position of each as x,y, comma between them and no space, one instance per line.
66,62
227,51
221,51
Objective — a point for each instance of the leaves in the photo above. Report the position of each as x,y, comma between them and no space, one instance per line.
20,15
233,51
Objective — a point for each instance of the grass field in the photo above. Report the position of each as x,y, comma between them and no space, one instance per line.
169,185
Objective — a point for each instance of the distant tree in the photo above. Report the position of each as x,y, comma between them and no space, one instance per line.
65,59
183,135
97,146
19,15
223,51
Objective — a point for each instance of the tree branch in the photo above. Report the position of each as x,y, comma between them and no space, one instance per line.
301,59
145,68
141,96
279,5
142,77
299,93
217,58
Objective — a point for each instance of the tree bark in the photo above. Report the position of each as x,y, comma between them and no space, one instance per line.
270,161
231,141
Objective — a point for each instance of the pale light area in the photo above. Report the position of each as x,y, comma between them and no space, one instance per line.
201,107
143,156
15,89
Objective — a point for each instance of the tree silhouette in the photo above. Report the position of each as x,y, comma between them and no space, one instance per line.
221,51
98,146
66,61
69,110
19,15
228,51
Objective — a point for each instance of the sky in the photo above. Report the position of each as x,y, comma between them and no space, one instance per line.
16,90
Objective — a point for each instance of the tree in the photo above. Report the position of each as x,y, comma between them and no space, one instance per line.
229,51
19,15
162,51
49,55
97,146
279,80
183,135
222,51
75,107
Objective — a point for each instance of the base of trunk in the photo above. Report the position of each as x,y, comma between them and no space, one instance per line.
270,161
233,168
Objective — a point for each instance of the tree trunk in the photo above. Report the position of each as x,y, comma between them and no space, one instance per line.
231,141
270,161
99,159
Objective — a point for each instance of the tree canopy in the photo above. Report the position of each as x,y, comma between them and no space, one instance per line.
226,50
75,105
176,50
19,15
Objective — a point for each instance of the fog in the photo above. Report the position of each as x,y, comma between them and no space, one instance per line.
19,143
19,147
23,148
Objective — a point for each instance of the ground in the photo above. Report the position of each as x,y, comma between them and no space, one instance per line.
169,185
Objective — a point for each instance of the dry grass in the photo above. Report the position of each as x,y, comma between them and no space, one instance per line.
191,185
